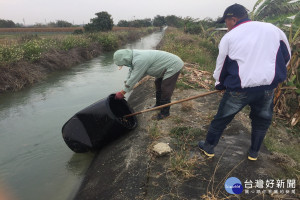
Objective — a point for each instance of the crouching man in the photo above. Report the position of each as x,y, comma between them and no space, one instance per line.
164,66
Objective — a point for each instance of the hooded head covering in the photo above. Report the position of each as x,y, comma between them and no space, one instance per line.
123,57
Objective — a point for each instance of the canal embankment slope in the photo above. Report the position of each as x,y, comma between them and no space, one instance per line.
31,58
129,168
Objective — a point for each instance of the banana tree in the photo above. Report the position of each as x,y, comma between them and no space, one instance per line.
289,91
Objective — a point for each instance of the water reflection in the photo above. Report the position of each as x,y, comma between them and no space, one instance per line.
106,60
76,164
148,42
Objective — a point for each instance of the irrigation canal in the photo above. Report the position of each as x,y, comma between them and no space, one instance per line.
35,162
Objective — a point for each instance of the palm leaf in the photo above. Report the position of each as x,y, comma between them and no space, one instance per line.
296,35
255,7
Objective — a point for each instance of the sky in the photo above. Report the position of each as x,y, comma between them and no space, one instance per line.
77,12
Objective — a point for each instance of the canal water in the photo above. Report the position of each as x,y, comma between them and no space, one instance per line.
35,162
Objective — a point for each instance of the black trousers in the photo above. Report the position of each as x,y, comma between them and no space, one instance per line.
166,87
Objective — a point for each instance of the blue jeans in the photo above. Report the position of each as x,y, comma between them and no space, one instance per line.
261,104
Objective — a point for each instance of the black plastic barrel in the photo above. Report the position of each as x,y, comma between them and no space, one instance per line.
98,124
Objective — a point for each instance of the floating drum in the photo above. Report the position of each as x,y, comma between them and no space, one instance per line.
98,124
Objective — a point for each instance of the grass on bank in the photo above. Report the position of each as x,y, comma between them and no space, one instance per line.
181,162
283,141
191,48
30,47
29,58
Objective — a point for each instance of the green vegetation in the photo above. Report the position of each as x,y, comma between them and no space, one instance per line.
103,22
274,11
174,21
72,41
184,138
154,131
159,21
11,24
60,23
27,59
7,23
135,23
191,48
283,142
29,50
31,47
109,41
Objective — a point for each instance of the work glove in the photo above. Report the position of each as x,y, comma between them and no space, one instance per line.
119,95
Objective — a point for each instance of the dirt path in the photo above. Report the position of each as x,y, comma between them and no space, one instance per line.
128,168
186,173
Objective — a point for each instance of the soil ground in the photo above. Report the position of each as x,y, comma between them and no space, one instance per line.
128,169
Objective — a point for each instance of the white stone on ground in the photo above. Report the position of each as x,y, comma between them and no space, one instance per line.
162,148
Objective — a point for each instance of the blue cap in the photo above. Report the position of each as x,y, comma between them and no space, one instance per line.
235,10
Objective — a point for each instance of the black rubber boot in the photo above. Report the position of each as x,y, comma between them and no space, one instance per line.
158,99
164,112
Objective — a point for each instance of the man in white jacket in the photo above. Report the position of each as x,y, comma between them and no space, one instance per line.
252,61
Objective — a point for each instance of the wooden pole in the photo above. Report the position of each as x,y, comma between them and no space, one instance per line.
169,104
